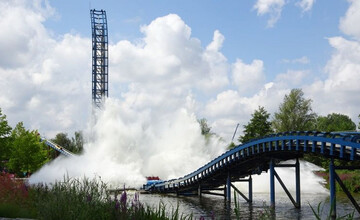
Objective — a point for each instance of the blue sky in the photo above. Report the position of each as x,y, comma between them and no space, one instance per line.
295,34
217,59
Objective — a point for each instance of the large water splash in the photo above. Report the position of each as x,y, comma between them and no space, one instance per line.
126,145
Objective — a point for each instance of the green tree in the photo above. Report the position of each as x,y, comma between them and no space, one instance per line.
74,145
359,122
295,113
332,123
335,122
78,142
258,126
65,142
5,131
28,154
205,129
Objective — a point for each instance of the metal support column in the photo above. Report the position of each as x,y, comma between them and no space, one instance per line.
250,190
343,187
199,190
272,184
332,189
228,188
297,180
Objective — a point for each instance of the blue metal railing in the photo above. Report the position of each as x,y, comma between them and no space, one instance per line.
57,147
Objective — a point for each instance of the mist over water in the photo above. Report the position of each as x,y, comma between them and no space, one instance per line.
128,144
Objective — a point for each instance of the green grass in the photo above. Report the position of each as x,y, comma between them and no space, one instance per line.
318,213
76,199
10,210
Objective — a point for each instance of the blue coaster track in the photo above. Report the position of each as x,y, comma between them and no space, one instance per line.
255,156
264,154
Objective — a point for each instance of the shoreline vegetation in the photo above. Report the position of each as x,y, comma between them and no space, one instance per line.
90,199
75,199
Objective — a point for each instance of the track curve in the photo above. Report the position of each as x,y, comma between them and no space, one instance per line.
254,157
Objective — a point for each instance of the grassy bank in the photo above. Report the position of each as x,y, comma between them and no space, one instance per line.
74,199
350,178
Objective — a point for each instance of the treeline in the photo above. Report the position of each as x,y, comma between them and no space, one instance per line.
22,152
294,114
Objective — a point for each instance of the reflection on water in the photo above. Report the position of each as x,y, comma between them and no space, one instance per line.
209,206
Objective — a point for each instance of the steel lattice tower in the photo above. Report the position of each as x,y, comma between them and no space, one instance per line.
100,59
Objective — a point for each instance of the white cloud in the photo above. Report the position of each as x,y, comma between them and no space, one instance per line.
217,42
271,7
349,24
173,60
305,5
340,92
293,78
49,88
46,81
301,60
249,78
230,107
23,34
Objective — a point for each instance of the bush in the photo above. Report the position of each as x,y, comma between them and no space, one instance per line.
14,198
90,199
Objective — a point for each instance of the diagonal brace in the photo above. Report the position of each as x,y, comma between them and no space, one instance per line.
241,194
347,192
286,190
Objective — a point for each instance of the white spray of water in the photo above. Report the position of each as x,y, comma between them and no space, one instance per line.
128,145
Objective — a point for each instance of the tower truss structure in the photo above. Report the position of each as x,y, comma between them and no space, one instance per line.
100,59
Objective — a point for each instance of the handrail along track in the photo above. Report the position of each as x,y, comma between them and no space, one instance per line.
254,157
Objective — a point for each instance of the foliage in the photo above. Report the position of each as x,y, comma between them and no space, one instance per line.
318,213
295,113
258,126
63,140
5,131
267,213
78,141
236,207
359,121
335,122
74,145
205,129
350,178
90,199
27,152
332,123
231,146
12,190
14,198
72,199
